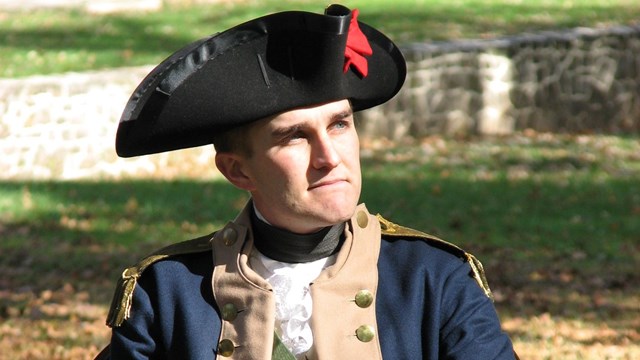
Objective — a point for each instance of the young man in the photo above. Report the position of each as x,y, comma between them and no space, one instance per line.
304,271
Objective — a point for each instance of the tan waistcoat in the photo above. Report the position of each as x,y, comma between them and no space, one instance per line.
343,319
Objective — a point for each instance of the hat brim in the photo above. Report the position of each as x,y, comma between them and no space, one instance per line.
263,67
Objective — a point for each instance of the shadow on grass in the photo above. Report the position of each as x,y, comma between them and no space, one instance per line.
526,233
87,232
548,249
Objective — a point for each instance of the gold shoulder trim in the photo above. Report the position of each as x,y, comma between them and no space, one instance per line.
121,304
394,230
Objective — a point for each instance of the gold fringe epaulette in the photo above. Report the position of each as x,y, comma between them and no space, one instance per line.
121,304
394,230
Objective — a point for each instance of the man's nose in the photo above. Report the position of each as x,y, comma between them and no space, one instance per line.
324,153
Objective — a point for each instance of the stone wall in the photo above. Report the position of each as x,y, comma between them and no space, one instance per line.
582,80
63,126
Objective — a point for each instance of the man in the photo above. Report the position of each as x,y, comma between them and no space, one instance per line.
304,271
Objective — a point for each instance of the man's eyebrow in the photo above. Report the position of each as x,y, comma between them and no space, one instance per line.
283,132
341,115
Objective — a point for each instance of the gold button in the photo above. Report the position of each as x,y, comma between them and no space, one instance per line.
229,312
226,347
364,298
365,333
229,236
362,219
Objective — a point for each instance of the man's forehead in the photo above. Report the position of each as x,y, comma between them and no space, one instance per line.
327,110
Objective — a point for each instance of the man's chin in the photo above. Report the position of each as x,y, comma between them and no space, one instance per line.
338,214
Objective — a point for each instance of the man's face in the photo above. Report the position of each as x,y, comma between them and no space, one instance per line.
304,171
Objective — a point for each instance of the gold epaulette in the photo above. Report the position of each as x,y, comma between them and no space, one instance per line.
394,230
121,304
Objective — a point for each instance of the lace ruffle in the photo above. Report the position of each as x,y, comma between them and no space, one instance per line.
294,306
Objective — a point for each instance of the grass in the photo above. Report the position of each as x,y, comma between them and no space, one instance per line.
54,41
552,217
560,184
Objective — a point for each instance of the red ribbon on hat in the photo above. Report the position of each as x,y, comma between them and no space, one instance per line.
357,48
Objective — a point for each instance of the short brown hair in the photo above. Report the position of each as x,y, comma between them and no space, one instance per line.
234,140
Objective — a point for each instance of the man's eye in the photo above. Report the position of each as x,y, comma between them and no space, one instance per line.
295,136
341,124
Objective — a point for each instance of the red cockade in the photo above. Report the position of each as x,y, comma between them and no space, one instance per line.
357,48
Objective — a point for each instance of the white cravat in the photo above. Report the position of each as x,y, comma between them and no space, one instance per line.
290,284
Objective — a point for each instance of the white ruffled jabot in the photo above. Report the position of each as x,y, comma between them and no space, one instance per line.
290,284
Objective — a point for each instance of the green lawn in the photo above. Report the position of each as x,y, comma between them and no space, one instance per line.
53,41
533,198
554,219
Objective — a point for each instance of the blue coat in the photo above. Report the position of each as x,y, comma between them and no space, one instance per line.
427,305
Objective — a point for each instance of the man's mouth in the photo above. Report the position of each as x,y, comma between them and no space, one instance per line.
326,183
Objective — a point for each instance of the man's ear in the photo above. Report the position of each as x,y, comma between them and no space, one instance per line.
232,167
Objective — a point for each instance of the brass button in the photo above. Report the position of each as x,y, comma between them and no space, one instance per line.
365,333
229,236
362,219
226,348
229,312
364,298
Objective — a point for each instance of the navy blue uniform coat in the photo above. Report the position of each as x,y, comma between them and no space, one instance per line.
427,307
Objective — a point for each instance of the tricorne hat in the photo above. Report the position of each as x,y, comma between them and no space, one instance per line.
263,67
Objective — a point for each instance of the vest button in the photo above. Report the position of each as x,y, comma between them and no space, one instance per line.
362,218
365,333
226,347
229,236
229,312
364,298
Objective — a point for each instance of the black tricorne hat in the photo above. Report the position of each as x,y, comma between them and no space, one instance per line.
263,67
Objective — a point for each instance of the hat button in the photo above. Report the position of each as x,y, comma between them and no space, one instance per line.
365,333
229,236
362,218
